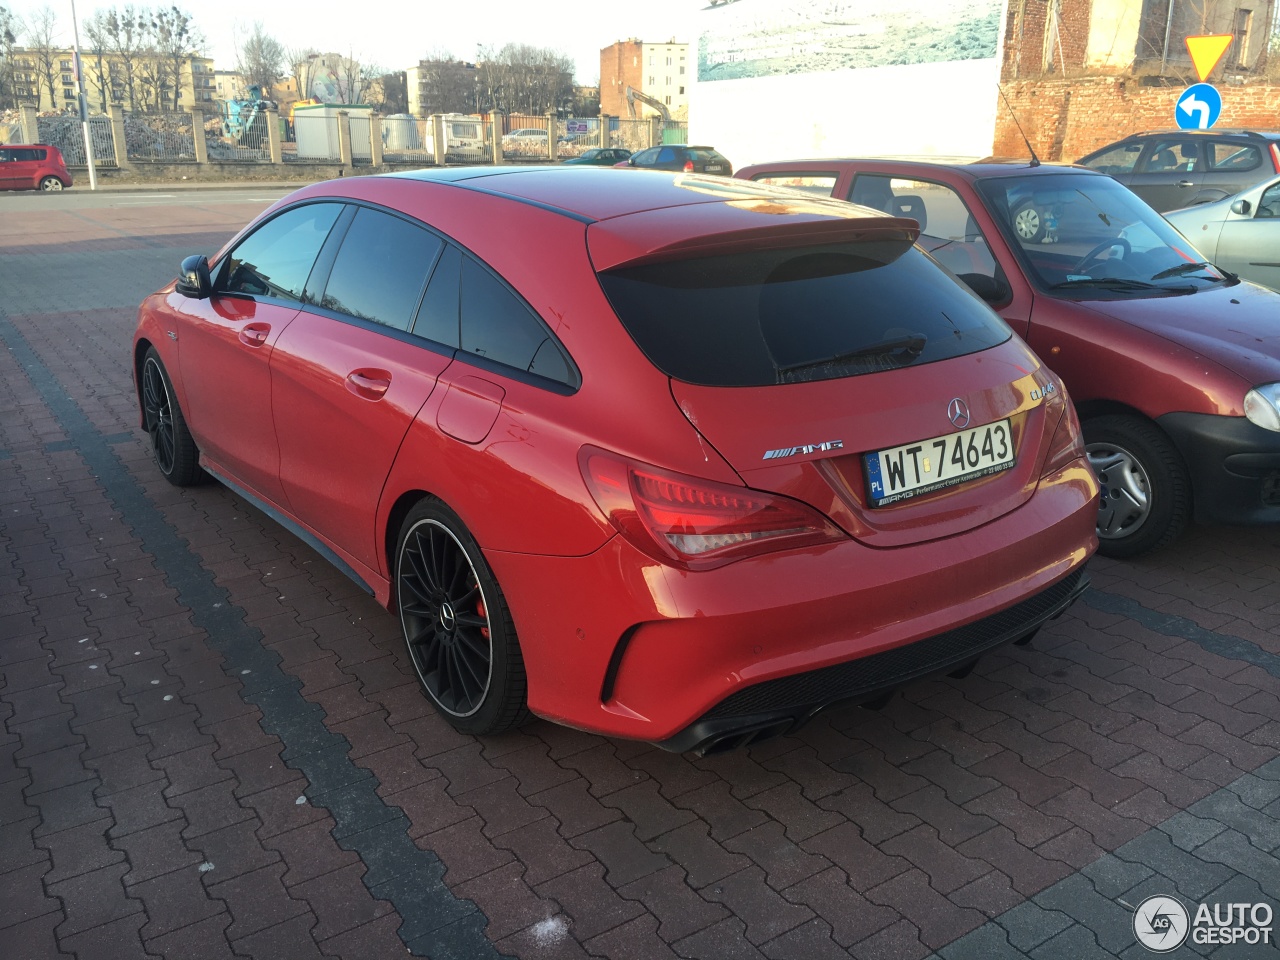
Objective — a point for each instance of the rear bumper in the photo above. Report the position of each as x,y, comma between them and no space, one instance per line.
619,644
779,706
1234,466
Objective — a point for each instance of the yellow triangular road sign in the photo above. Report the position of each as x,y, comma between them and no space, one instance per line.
1207,51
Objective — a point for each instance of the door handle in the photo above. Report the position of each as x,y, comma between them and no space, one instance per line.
369,384
255,334
1186,183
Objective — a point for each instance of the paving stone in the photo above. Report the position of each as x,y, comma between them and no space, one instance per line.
946,869
78,850
117,939
174,900
36,936
339,900
592,905
1030,925
703,860
725,940
901,941
92,899
202,940
23,896
509,902
1074,943
1075,897
625,858
633,940
291,940
464,849
865,865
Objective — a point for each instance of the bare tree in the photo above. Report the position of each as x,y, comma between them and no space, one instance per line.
42,29
447,85
10,31
259,58
127,31
392,93
302,66
176,38
98,66
524,79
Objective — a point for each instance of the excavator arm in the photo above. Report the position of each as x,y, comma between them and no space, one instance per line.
633,95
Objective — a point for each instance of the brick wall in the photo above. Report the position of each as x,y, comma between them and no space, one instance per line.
621,65
1065,119
1028,28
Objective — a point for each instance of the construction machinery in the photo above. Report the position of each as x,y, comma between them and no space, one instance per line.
633,95
245,120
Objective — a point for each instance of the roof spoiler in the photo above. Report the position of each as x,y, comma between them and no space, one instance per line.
616,250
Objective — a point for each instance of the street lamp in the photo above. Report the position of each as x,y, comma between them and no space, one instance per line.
84,104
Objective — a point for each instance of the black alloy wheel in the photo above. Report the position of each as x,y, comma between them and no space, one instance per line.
457,628
172,446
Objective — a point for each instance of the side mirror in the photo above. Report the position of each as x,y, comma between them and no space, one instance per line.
193,277
1241,207
990,289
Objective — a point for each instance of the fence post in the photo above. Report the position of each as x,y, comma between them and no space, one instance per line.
344,139
604,131
375,139
495,138
551,137
439,145
116,112
200,146
273,135
655,131
30,129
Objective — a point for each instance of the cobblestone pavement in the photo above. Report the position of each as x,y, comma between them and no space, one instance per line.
213,746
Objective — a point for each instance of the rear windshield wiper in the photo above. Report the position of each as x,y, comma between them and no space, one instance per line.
1182,268
911,345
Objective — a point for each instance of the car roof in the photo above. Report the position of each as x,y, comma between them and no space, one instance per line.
1211,132
970,169
593,193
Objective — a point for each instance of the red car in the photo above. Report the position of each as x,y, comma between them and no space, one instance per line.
1174,365
694,465
36,166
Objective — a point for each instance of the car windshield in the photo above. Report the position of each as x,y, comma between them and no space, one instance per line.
797,314
1089,236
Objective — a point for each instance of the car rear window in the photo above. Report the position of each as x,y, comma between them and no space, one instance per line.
799,314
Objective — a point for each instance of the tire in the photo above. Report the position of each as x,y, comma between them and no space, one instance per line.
457,628
1028,223
175,452
50,184
1146,491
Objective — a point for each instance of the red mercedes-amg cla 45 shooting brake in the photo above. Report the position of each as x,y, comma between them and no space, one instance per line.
662,456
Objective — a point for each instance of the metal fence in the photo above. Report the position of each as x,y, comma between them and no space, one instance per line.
160,136
238,138
67,134
408,139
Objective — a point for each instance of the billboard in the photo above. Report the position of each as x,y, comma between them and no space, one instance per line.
796,78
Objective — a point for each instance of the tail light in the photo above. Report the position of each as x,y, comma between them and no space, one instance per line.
688,166
693,523
1275,156
1067,443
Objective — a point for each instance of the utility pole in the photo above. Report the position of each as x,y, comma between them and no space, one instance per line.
84,103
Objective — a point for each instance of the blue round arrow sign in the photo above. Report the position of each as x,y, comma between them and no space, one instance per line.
1198,107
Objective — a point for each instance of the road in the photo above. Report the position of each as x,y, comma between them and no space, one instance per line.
214,747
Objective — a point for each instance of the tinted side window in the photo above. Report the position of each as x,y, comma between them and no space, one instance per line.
380,269
1117,160
1181,156
496,325
1236,156
276,259
645,157
667,155
438,316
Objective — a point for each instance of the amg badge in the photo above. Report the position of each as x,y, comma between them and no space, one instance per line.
807,448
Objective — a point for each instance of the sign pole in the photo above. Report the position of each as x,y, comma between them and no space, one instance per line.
84,103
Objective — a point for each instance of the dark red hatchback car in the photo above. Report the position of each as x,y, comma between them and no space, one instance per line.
35,166
700,461
1174,365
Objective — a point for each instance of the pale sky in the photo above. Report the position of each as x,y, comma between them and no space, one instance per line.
396,35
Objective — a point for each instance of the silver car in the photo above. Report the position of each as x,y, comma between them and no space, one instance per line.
1240,233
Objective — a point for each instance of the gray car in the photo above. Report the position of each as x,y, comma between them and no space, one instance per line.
1240,233
1177,168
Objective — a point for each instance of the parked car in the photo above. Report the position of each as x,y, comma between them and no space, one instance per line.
679,156
1177,168
1240,233
601,157
36,166
1174,366
421,374
525,135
